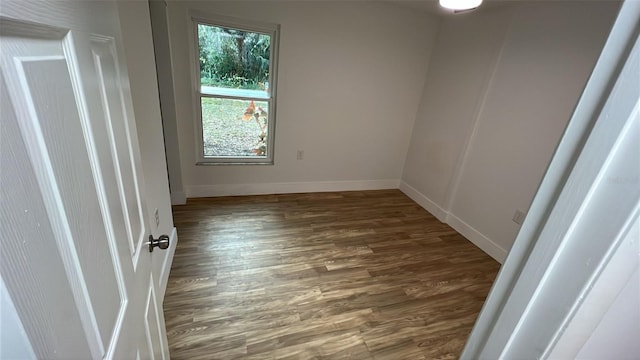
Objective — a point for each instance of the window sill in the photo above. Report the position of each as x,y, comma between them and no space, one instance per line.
236,93
217,163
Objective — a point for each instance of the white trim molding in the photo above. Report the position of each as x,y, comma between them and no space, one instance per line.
289,187
178,198
476,237
610,295
269,95
473,235
426,203
166,264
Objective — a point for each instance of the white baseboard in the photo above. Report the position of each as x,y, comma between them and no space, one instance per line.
473,235
166,265
289,188
433,208
178,198
484,243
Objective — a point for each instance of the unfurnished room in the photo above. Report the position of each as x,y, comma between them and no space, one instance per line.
400,179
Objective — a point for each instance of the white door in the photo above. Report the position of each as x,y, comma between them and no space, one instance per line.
73,252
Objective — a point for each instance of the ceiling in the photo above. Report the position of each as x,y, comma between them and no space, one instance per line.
432,6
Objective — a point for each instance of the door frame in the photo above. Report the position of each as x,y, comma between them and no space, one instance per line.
515,318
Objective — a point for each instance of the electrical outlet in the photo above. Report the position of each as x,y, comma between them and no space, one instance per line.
157,215
300,155
518,217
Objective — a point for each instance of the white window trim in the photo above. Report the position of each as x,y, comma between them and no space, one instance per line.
272,30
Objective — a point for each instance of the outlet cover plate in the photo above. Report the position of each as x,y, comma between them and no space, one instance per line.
518,217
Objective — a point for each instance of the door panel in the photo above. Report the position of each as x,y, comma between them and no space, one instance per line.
58,118
153,327
25,217
36,67
76,262
119,138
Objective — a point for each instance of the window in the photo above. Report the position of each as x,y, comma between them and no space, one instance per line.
235,66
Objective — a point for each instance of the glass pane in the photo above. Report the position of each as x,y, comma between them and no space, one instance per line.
233,59
236,128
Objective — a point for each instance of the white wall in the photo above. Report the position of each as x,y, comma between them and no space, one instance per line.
464,56
350,81
160,30
499,141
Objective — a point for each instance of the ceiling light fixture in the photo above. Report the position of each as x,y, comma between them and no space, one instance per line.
460,4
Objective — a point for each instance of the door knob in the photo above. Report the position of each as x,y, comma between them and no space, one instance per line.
162,242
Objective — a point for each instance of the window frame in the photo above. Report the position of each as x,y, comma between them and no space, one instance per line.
272,30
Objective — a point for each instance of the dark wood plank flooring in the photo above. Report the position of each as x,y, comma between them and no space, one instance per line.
347,275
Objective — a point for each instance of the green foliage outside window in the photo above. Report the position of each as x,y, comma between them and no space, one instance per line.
233,58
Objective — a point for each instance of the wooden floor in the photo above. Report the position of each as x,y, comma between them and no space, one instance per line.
350,275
